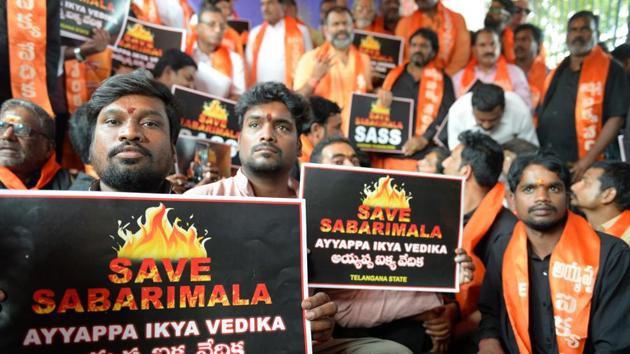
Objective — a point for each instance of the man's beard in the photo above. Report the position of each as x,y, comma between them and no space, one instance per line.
543,226
420,60
266,167
132,180
363,22
493,24
580,47
342,43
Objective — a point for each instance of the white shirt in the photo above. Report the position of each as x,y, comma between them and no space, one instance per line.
516,121
271,61
210,80
171,13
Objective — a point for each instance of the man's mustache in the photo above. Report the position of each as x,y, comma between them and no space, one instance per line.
129,146
542,207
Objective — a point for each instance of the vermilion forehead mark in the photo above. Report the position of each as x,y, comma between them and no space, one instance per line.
268,117
130,110
540,182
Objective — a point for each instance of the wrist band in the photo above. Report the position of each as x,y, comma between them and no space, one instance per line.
77,54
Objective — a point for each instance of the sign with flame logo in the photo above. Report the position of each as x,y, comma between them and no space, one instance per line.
123,273
385,51
391,230
376,128
209,117
79,17
143,44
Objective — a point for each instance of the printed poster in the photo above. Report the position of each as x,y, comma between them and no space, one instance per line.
79,17
385,51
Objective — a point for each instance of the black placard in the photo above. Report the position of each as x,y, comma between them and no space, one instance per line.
239,25
143,44
385,51
79,17
388,230
380,129
142,273
210,117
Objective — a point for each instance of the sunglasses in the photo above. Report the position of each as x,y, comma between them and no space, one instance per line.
19,129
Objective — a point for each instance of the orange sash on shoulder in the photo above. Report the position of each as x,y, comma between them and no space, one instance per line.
221,61
501,78
507,42
620,226
536,79
293,49
146,10
474,231
83,78
572,273
26,31
429,95
48,172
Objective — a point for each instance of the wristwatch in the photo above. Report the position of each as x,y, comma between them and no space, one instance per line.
77,54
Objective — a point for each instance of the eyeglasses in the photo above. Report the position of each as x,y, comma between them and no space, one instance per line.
522,10
19,129
498,10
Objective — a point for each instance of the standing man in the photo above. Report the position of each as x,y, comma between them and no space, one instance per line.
336,69
450,27
603,194
324,121
489,66
366,17
585,100
431,91
520,14
555,285
221,71
527,49
498,19
274,48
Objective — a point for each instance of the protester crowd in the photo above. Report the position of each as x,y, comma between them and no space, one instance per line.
546,195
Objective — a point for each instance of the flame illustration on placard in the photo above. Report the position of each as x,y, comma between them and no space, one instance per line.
157,238
379,112
384,194
371,44
214,109
139,32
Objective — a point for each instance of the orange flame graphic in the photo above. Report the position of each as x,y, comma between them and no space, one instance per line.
385,195
157,238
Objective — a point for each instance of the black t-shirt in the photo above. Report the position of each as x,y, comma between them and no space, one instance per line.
556,124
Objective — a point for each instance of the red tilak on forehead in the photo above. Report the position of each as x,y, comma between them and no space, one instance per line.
130,110
269,117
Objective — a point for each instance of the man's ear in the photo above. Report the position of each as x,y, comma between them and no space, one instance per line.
608,195
299,146
467,172
318,131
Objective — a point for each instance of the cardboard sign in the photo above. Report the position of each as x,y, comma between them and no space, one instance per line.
209,117
388,230
79,17
147,273
143,44
240,25
385,51
195,154
376,128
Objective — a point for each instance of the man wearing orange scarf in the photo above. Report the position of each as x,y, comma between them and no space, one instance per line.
527,48
479,159
450,27
555,285
275,47
489,66
336,69
431,91
498,17
324,122
585,101
603,194
366,18
27,149
220,71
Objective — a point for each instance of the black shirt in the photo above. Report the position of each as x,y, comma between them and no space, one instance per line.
502,226
609,321
556,124
406,86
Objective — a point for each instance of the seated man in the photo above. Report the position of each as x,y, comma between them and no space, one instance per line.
492,111
603,194
432,161
27,148
335,150
325,121
175,68
555,285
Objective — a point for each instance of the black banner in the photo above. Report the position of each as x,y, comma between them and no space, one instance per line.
143,44
388,230
239,25
209,117
376,128
133,273
79,17
385,51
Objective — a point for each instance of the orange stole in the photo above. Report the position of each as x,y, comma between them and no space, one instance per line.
48,172
378,26
307,148
501,78
589,107
507,42
572,274
474,231
620,226
536,79
221,61
293,49
26,32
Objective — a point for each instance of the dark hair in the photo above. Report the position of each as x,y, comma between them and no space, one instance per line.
519,146
321,109
80,133
585,14
508,5
537,33
442,153
486,97
134,83
429,35
338,10
616,175
316,154
268,92
175,59
622,52
484,155
45,120
485,30
545,159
